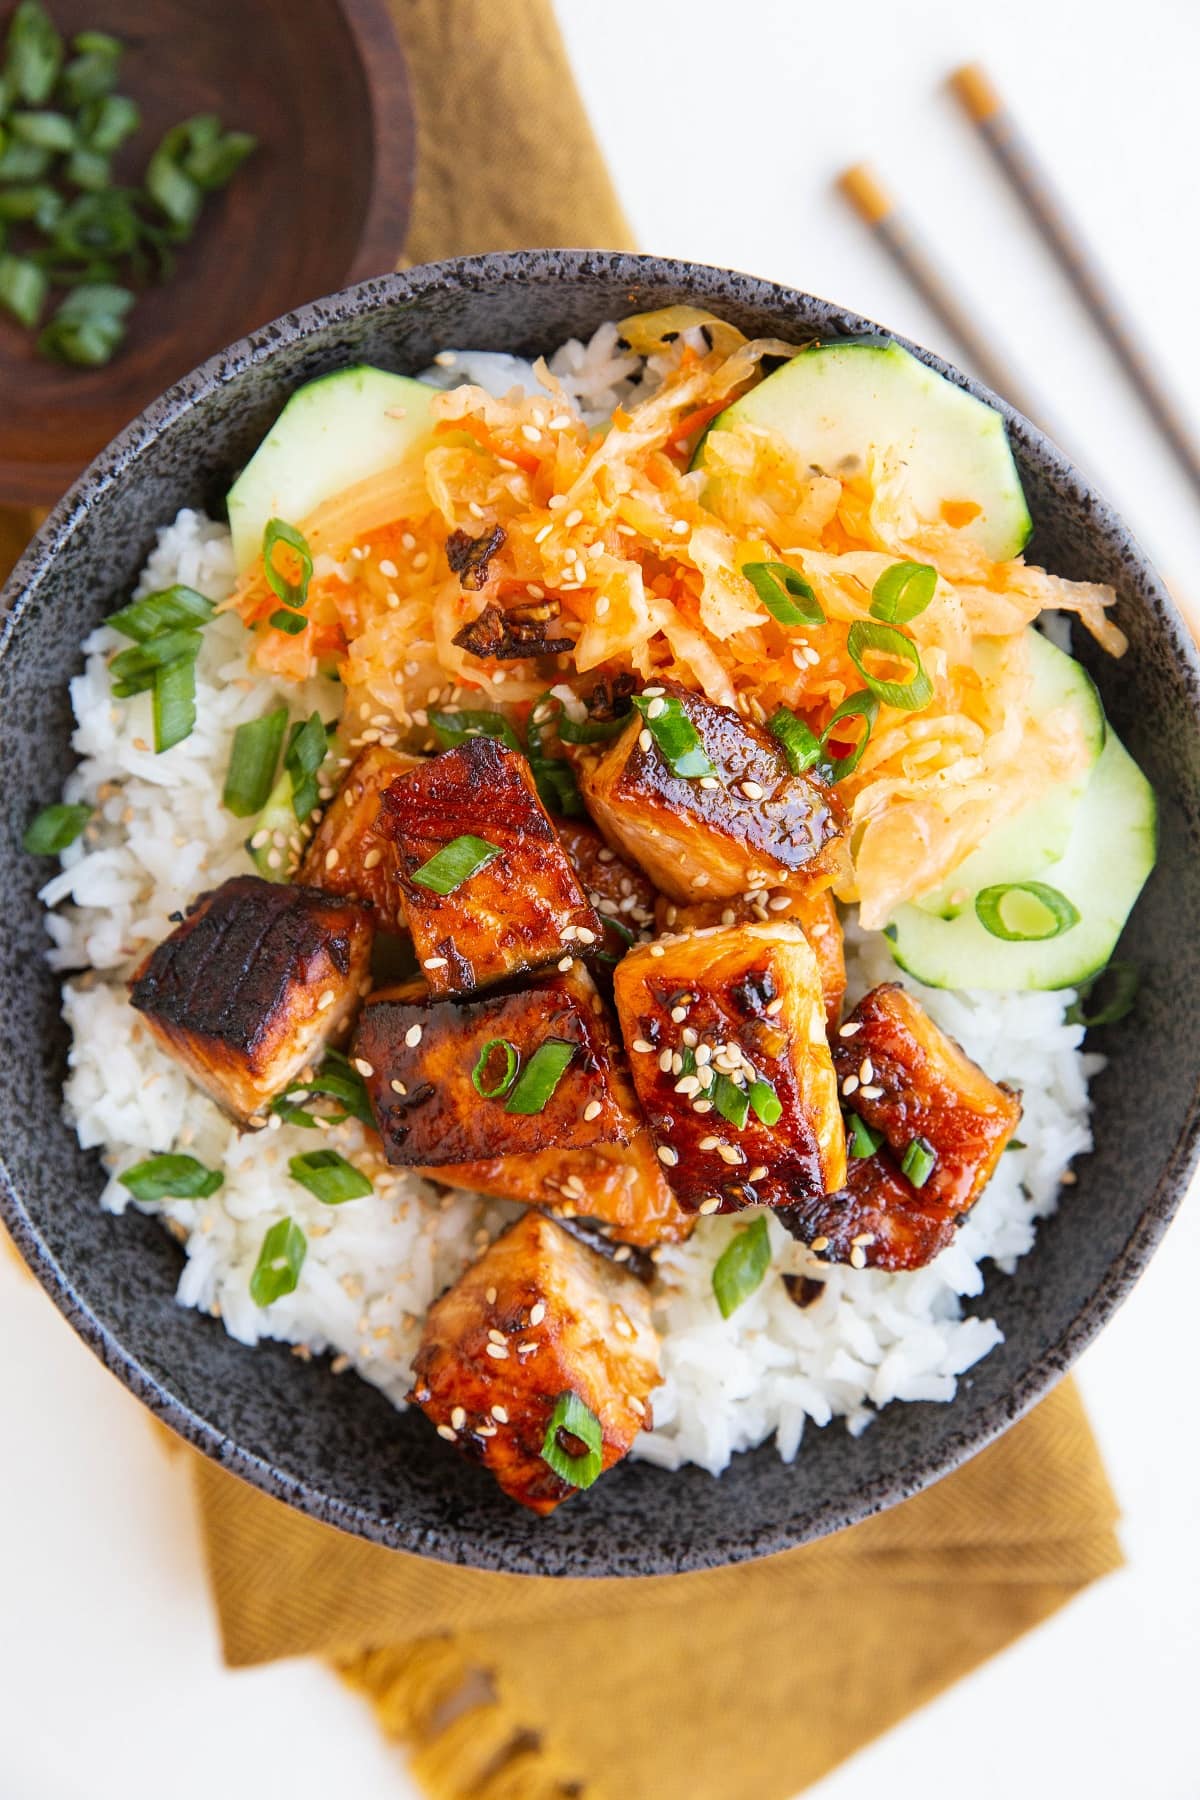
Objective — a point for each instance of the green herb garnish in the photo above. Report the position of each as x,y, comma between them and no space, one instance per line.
172,1177
1119,979
572,1423
280,1261
676,736
455,863
740,1268
454,728
870,634
54,828
731,1101
504,1080
329,1176
903,591
167,610
861,1141
540,1077
765,1103
784,592
800,746
252,763
293,593
918,1161
306,751
863,706
1025,912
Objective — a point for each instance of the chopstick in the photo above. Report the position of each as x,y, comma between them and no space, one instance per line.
866,194
988,114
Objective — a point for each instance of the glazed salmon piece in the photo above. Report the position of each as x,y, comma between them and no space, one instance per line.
878,1220
420,1060
750,824
539,1316
726,1034
616,887
908,1079
621,1186
348,855
252,985
814,912
519,906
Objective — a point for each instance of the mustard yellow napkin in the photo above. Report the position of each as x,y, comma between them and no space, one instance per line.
742,1684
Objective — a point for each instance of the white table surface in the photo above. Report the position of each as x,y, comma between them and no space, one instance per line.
723,125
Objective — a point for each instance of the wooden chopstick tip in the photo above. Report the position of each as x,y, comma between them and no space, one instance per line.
866,194
975,89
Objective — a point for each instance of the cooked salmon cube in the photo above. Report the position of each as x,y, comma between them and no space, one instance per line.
879,1220
253,984
748,825
813,911
726,1035
538,1317
502,896
620,893
431,1085
904,1076
348,855
621,1186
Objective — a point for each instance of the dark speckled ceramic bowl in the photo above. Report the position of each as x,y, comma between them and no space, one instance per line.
335,1447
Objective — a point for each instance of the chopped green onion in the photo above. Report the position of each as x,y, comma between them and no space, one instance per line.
252,763
577,1421
871,634
173,1177
292,1113
293,623
455,863
731,1101
280,1261
800,746
918,1161
740,1268
106,122
784,592
45,130
454,728
164,611
214,164
541,1075
861,1141
54,828
34,54
1025,912
174,703
765,1102
173,191
90,170
88,326
103,224
330,1177
292,593
93,71
864,706
23,162
23,289
903,591
37,204
557,787
590,731
675,735
133,670
511,1064
1122,978
306,751
337,1080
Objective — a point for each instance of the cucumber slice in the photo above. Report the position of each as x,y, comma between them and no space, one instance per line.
333,432
1038,834
1110,853
834,402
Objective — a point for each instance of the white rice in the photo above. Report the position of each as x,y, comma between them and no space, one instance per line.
161,836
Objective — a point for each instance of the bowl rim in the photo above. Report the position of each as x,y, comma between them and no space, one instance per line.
918,1471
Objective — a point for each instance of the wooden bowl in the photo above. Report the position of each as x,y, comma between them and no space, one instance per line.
323,202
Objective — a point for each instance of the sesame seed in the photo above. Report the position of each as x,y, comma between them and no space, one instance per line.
643,1048
259,839
526,1349
752,790
444,1431
864,1237
872,1091
711,1205
485,1431
435,962
537,1312
567,963
700,880
664,1060
421,559
573,518
531,434
688,1084
866,1070
702,1106
388,569
363,1066
812,656
779,902
668,1156
676,1063
490,1296
680,527
656,709
708,1143
495,1337
458,1417
758,1174
592,1110
584,935
398,1087
412,1036
445,359
851,1030
849,1085
729,1153
657,950
540,536
373,858
678,1014
858,1257
819,1243
498,1351
636,1405
500,1414
645,740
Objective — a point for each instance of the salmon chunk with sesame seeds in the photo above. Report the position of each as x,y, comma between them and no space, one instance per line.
945,1121
622,895
488,891
621,1186
502,1076
348,855
747,822
252,985
539,1363
879,1220
813,911
726,1037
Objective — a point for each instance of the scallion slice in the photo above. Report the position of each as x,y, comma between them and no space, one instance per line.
34,54
304,755
336,1079
740,1268
871,634
731,1101
454,728
765,1103
455,863
863,706
167,610
541,1075
506,1079
296,551
572,1419
557,787
861,1141
54,828
277,1271
918,1161
174,703
252,763
1120,980
45,130
1025,912
23,289
171,1177
133,670
903,591
107,121
675,735
784,592
173,190
330,1177
291,623
88,325
800,746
